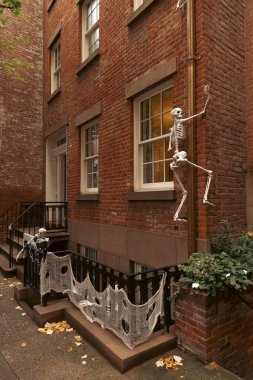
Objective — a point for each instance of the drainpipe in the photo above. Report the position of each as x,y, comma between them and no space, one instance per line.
191,73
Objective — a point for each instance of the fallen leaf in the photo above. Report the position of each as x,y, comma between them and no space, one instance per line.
23,314
213,365
178,359
24,344
78,338
160,363
85,356
77,343
83,362
70,349
57,327
18,308
68,330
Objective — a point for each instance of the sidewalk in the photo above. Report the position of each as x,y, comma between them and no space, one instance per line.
27,354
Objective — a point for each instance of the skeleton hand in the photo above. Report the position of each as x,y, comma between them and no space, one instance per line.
207,94
19,254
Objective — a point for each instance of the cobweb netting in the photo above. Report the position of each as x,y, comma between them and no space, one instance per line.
133,324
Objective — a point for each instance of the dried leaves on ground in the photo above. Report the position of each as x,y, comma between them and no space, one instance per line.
172,362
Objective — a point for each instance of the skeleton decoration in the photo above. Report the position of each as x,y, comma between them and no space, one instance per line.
177,133
37,244
180,4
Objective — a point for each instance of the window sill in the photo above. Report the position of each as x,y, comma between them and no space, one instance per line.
88,60
167,195
139,11
54,95
87,197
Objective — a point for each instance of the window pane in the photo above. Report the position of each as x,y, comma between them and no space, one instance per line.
156,126
93,41
167,100
168,172
158,172
147,173
155,105
145,109
158,150
92,14
167,123
147,153
95,180
145,130
89,181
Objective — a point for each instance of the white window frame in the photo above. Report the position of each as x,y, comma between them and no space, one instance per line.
56,66
85,159
138,145
89,31
138,3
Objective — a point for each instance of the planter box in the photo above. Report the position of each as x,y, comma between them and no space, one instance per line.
218,329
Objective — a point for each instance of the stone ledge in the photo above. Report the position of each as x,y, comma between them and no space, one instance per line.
105,341
113,349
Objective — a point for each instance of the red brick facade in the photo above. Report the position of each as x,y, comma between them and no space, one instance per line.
249,111
219,330
21,109
118,226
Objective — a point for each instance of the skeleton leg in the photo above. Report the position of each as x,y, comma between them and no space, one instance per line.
208,182
173,167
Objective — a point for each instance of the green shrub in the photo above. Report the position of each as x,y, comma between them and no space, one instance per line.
229,265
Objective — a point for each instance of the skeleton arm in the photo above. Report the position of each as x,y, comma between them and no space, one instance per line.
22,250
179,6
206,91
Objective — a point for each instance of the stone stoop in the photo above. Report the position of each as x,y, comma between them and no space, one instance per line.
5,268
104,340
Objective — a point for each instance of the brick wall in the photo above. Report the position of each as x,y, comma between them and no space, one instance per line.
21,110
224,137
219,330
249,111
126,55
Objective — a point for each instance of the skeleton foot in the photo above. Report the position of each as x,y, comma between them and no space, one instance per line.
182,219
205,201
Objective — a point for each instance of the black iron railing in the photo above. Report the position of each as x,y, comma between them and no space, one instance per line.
6,218
51,215
138,286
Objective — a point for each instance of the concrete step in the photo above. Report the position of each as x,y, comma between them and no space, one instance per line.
105,341
5,268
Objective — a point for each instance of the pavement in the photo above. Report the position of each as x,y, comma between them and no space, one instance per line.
27,354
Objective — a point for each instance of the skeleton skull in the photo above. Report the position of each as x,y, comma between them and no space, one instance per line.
177,113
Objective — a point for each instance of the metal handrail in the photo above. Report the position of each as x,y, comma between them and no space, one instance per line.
20,216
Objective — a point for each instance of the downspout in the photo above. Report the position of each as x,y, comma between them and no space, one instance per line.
191,74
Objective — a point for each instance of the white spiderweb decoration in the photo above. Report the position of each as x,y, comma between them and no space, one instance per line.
133,324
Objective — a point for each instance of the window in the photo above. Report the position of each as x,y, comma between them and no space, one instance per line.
56,66
142,294
138,3
88,252
90,28
89,157
152,158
